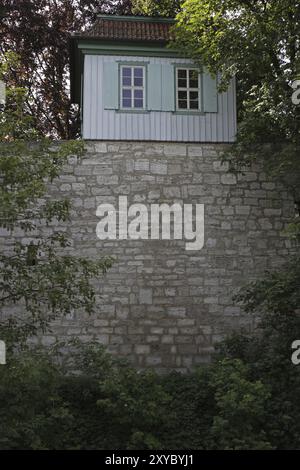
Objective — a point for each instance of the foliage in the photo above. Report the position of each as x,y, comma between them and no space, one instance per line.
39,31
167,8
267,352
38,273
105,404
29,389
246,399
112,406
130,407
259,42
240,419
277,293
191,410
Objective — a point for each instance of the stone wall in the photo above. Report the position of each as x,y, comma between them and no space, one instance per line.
160,305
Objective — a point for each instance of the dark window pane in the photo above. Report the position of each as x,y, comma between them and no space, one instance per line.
126,103
126,93
182,95
193,75
126,71
182,104
182,83
126,81
138,72
138,103
194,105
193,79
138,94
193,95
194,84
138,82
181,73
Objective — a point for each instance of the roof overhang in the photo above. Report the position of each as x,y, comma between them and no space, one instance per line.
82,44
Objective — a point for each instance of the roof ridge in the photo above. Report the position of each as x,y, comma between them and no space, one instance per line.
106,29
142,19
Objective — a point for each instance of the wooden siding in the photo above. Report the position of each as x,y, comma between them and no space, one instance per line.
103,124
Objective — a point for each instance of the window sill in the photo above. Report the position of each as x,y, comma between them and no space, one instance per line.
189,113
145,111
132,111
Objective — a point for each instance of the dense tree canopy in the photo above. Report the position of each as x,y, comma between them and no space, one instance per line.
38,274
167,8
259,42
39,31
248,398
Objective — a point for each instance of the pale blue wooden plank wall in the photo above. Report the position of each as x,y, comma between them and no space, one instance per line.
107,124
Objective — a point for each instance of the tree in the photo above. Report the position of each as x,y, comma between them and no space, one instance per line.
39,31
106,404
259,42
267,351
37,274
167,8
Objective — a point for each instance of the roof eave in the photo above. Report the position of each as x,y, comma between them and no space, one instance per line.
142,19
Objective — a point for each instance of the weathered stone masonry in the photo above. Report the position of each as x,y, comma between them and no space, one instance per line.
160,305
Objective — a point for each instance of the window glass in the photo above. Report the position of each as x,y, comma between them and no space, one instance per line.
126,81
187,82
182,104
194,104
182,95
138,94
132,80
193,79
138,81
126,71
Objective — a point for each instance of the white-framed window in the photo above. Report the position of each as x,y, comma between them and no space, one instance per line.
132,87
188,89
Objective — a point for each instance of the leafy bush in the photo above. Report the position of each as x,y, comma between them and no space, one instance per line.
113,406
267,352
246,399
33,414
107,405
240,408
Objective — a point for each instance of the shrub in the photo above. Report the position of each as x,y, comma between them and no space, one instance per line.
105,404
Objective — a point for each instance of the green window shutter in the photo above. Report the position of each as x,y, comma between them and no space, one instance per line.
111,85
168,88
154,81
210,93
